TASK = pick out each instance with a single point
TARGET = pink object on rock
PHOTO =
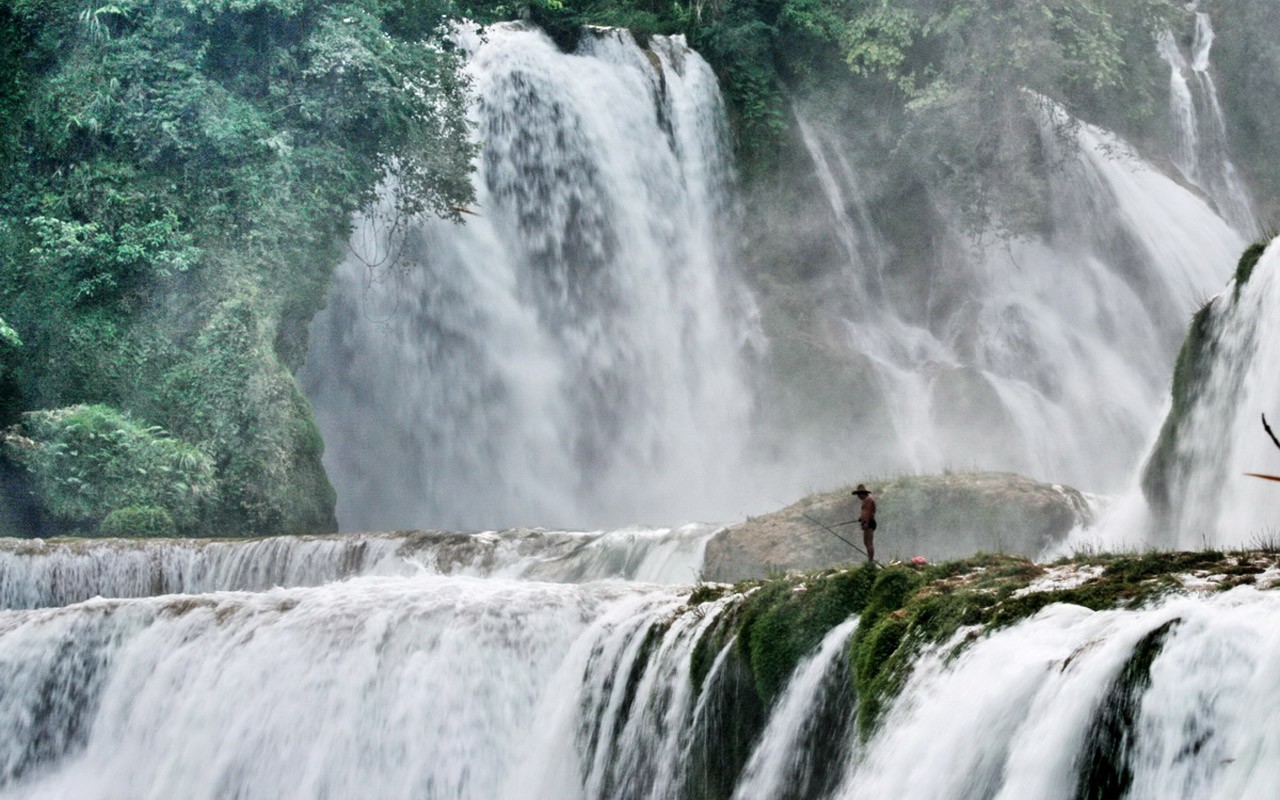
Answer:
(919, 560)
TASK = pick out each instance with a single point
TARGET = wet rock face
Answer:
(935, 516)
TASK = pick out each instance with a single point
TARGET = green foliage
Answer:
(89, 461)
(10, 401)
(741, 47)
(229, 391)
(100, 264)
(877, 41)
(169, 162)
(137, 521)
(8, 336)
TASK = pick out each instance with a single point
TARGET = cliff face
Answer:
(934, 516)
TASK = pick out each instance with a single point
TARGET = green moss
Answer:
(1249, 260)
(778, 623)
(905, 611)
(725, 732)
(705, 651)
(910, 612)
(880, 662)
(706, 592)
(1194, 360)
(782, 622)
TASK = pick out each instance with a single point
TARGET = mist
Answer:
(628, 330)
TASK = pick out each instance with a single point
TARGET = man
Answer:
(868, 520)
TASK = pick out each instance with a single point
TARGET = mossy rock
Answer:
(1161, 483)
(1189, 375)
(1244, 269)
(906, 610)
(785, 620)
(232, 393)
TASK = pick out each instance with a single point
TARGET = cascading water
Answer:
(1200, 129)
(1064, 706)
(38, 574)
(1048, 355)
(783, 763)
(1220, 436)
(440, 687)
(573, 354)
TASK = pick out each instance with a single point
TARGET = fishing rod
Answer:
(833, 533)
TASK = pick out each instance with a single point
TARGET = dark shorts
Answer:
(869, 526)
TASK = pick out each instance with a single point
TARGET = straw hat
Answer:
(861, 490)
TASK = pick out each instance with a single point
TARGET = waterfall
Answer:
(573, 354)
(1064, 706)
(784, 759)
(1201, 153)
(450, 687)
(1049, 355)
(369, 688)
(1221, 435)
(582, 353)
(37, 574)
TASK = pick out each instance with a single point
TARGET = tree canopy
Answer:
(178, 177)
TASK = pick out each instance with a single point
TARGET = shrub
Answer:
(87, 461)
(138, 521)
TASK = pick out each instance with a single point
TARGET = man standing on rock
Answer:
(868, 520)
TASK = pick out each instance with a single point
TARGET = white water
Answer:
(371, 688)
(580, 352)
(456, 687)
(1223, 437)
(782, 759)
(1011, 716)
(572, 355)
(1200, 130)
(1047, 356)
(37, 574)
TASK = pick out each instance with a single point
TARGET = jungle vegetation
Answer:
(177, 178)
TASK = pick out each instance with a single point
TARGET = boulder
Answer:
(935, 516)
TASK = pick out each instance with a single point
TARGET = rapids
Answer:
(452, 687)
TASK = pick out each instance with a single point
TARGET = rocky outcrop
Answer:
(935, 516)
